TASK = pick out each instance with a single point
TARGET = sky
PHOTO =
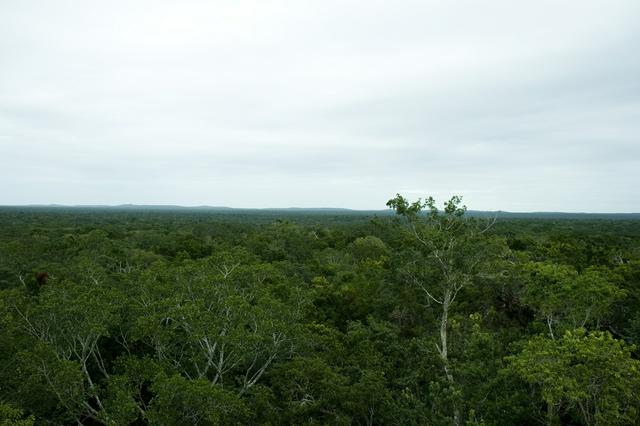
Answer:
(515, 105)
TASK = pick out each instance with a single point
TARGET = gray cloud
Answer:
(517, 106)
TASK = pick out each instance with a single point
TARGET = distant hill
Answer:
(552, 215)
(318, 211)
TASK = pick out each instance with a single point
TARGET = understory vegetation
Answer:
(429, 316)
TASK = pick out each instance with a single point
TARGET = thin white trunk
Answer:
(443, 348)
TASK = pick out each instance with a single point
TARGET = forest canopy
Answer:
(427, 316)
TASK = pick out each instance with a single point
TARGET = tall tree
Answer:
(452, 250)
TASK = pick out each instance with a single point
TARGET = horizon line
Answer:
(204, 206)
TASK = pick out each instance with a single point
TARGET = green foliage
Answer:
(10, 416)
(566, 299)
(589, 374)
(200, 317)
(178, 400)
(370, 249)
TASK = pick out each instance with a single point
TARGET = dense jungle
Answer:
(424, 314)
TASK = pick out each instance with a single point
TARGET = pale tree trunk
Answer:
(443, 348)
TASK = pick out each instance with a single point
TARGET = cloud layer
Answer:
(515, 105)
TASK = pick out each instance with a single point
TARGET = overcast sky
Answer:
(516, 105)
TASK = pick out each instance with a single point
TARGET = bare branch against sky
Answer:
(516, 105)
